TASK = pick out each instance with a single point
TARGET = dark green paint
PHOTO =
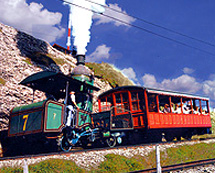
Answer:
(33, 122)
(54, 113)
(28, 107)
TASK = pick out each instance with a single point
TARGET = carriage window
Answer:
(204, 104)
(135, 101)
(106, 103)
(196, 106)
(152, 102)
(122, 103)
(176, 105)
(164, 106)
(186, 106)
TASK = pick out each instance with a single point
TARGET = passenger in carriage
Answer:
(172, 107)
(152, 107)
(161, 109)
(196, 110)
(204, 112)
(166, 108)
(177, 109)
(185, 108)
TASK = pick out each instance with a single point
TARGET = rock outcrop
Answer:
(20, 56)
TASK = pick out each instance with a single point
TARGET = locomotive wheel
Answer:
(84, 143)
(64, 145)
(111, 141)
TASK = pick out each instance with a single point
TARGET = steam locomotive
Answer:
(128, 114)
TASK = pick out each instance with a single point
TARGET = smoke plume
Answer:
(80, 21)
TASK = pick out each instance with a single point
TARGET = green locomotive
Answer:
(43, 123)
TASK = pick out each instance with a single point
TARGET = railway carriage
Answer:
(137, 114)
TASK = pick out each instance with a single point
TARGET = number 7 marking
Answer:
(25, 117)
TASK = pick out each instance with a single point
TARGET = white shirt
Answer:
(72, 96)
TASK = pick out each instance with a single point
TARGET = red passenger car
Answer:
(138, 113)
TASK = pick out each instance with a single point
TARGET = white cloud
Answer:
(150, 81)
(102, 19)
(209, 88)
(184, 83)
(31, 18)
(187, 70)
(130, 73)
(101, 52)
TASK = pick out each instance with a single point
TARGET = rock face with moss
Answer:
(22, 55)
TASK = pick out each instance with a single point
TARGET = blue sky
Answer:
(145, 58)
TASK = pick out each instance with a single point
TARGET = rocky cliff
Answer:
(22, 55)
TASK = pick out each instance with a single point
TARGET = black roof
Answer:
(54, 83)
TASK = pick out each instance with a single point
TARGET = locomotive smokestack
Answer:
(80, 59)
(81, 72)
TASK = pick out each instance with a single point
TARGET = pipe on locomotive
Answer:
(69, 39)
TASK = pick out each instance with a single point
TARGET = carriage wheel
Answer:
(111, 141)
(64, 145)
(188, 136)
(169, 138)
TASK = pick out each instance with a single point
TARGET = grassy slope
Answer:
(213, 121)
(108, 73)
(116, 163)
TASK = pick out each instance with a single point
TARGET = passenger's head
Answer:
(72, 92)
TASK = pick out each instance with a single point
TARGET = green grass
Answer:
(116, 163)
(188, 153)
(48, 166)
(121, 164)
(11, 170)
(44, 59)
(55, 166)
(28, 61)
(107, 72)
(2, 81)
(59, 61)
(213, 122)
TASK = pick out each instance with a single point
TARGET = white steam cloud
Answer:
(80, 20)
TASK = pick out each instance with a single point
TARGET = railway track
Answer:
(179, 167)
(79, 149)
(80, 152)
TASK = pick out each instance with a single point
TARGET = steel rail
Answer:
(181, 166)
(81, 150)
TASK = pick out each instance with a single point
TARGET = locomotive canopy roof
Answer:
(152, 90)
(54, 83)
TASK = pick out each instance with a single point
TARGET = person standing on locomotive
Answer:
(71, 110)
